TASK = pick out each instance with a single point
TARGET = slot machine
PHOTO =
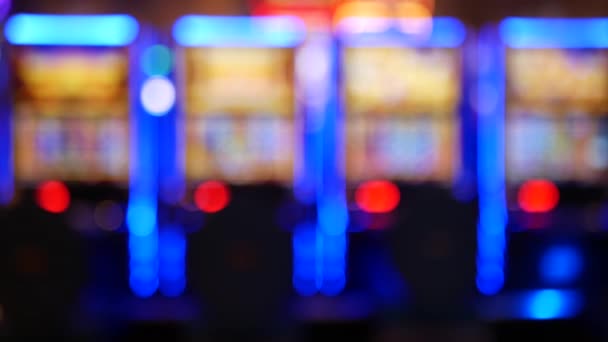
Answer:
(319, 257)
(542, 165)
(79, 170)
(239, 152)
(405, 131)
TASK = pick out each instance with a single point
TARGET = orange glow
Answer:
(212, 196)
(53, 196)
(377, 196)
(414, 18)
(367, 9)
(538, 196)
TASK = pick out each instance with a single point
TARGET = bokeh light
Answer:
(538, 196)
(212, 196)
(377, 196)
(561, 265)
(551, 304)
(108, 215)
(81, 217)
(53, 196)
(415, 18)
(158, 95)
(157, 60)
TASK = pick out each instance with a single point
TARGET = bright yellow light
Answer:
(72, 75)
(368, 9)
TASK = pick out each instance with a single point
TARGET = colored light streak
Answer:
(490, 165)
(172, 261)
(271, 31)
(356, 31)
(141, 217)
(539, 304)
(551, 304)
(305, 256)
(332, 210)
(555, 33)
(71, 30)
(7, 177)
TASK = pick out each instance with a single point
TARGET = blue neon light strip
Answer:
(80, 30)
(551, 304)
(142, 210)
(331, 201)
(304, 242)
(446, 32)
(554, 33)
(172, 261)
(279, 31)
(7, 180)
(490, 164)
(538, 304)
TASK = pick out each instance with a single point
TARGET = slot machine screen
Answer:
(402, 113)
(71, 114)
(557, 115)
(240, 119)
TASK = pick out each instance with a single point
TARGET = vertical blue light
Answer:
(172, 237)
(331, 201)
(171, 175)
(305, 259)
(320, 249)
(311, 57)
(6, 133)
(172, 261)
(464, 187)
(490, 163)
(142, 210)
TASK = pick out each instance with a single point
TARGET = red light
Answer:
(377, 196)
(538, 196)
(53, 196)
(211, 196)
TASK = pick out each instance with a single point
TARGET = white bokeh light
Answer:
(157, 95)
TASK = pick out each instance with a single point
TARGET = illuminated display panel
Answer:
(556, 119)
(240, 114)
(402, 113)
(71, 113)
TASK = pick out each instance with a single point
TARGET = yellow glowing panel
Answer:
(239, 81)
(565, 80)
(557, 122)
(240, 107)
(402, 118)
(71, 114)
(398, 81)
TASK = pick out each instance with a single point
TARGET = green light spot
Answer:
(157, 60)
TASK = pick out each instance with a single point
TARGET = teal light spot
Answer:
(157, 60)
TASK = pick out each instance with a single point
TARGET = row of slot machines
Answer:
(256, 166)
